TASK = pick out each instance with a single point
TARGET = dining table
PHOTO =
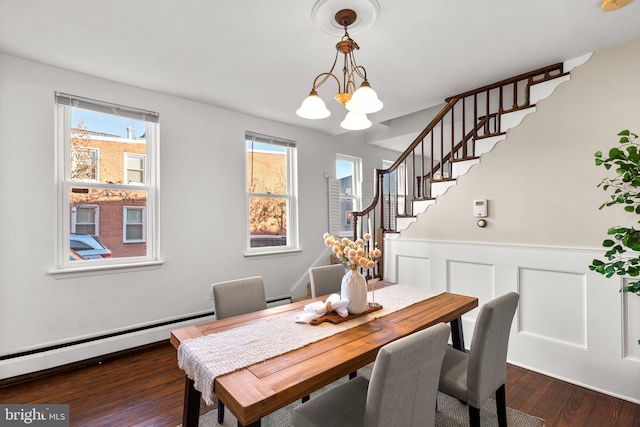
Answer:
(263, 386)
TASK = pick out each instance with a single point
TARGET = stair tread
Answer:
(491, 135)
(551, 78)
(518, 108)
(465, 159)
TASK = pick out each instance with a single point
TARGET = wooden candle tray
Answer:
(335, 318)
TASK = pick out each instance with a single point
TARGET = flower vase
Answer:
(354, 288)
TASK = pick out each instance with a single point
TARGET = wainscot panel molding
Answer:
(571, 323)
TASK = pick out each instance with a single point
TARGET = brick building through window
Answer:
(116, 216)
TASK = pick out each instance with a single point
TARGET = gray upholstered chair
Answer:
(237, 297)
(482, 373)
(402, 390)
(326, 279)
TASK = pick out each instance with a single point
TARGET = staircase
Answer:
(468, 127)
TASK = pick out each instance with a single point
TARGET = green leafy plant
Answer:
(625, 160)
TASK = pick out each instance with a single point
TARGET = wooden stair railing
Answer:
(450, 137)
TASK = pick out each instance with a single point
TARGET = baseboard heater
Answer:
(272, 302)
(105, 336)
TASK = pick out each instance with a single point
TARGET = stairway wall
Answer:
(544, 228)
(541, 180)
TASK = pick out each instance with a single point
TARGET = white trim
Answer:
(291, 195)
(63, 185)
(126, 168)
(356, 186)
(74, 353)
(125, 209)
(571, 322)
(96, 215)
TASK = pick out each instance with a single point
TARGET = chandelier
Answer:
(358, 102)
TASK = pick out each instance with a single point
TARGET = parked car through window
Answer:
(88, 247)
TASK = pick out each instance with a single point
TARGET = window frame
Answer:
(63, 104)
(96, 162)
(125, 209)
(96, 215)
(291, 196)
(400, 184)
(356, 185)
(126, 168)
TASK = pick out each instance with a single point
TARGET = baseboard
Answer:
(44, 360)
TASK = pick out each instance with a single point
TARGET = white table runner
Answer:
(205, 358)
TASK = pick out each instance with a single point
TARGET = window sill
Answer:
(67, 273)
(272, 252)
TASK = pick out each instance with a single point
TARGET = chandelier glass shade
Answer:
(358, 101)
(313, 107)
(355, 121)
(611, 5)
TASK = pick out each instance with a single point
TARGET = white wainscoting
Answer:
(571, 323)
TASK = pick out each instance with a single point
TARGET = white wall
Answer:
(544, 228)
(202, 239)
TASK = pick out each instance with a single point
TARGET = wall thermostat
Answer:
(480, 208)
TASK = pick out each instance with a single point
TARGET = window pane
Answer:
(134, 176)
(267, 221)
(134, 216)
(134, 232)
(112, 136)
(344, 173)
(346, 208)
(135, 168)
(110, 204)
(266, 168)
(86, 215)
(84, 163)
(135, 162)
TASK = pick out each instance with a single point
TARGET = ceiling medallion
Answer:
(324, 15)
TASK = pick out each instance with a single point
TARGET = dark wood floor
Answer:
(146, 389)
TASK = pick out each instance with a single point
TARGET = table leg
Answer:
(191, 410)
(456, 334)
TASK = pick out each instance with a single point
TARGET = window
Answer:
(106, 183)
(271, 194)
(348, 173)
(134, 168)
(84, 160)
(85, 219)
(395, 187)
(134, 224)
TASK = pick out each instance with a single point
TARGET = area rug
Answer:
(451, 412)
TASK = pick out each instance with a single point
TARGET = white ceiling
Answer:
(260, 57)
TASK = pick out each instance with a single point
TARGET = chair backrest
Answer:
(488, 353)
(239, 297)
(404, 381)
(326, 279)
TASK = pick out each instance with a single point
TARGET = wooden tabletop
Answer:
(258, 390)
